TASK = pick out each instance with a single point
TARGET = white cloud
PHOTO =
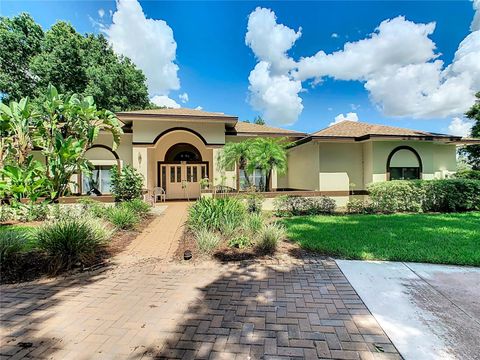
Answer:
(199, 108)
(351, 116)
(399, 67)
(276, 96)
(148, 42)
(163, 100)
(354, 106)
(334, 35)
(183, 97)
(101, 13)
(270, 41)
(460, 127)
(475, 25)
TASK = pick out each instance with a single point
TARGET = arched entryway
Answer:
(182, 162)
(404, 163)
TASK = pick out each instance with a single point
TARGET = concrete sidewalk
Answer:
(428, 311)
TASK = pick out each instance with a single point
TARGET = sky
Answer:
(299, 65)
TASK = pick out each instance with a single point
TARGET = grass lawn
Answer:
(432, 238)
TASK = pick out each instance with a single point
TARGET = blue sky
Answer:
(214, 62)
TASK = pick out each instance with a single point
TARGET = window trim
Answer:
(404, 147)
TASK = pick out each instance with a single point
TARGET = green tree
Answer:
(472, 152)
(268, 154)
(237, 154)
(31, 59)
(20, 41)
(259, 120)
(66, 129)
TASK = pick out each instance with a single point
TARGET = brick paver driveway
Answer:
(150, 308)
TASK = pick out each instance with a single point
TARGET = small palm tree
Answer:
(268, 154)
(237, 154)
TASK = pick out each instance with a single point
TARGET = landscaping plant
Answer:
(254, 202)
(138, 206)
(269, 236)
(292, 205)
(253, 224)
(213, 213)
(240, 242)
(207, 240)
(126, 183)
(12, 242)
(122, 217)
(74, 240)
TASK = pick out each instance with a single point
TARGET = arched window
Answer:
(404, 163)
(183, 152)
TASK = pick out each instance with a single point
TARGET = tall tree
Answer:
(30, 60)
(20, 41)
(472, 152)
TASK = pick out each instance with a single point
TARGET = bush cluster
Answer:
(468, 174)
(226, 220)
(126, 184)
(292, 205)
(450, 195)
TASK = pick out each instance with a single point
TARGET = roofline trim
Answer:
(131, 116)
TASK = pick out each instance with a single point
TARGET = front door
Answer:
(182, 180)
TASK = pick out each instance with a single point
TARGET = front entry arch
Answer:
(181, 172)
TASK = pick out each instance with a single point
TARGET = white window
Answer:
(98, 181)
(258, 178)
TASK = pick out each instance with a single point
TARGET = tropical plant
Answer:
(269, 236)
(126, 184)
(207, 240)
(122, 217)
(268, 154)
(214, 213)
(237, 154)
(73, 240)
(138, 206)
(472, 152)
(67, 128)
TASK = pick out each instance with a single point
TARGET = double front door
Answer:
(182, 180)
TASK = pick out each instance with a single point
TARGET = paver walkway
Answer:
(271, 309)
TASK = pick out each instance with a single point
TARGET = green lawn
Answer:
(433, 238)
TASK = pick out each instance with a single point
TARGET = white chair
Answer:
(159, 192)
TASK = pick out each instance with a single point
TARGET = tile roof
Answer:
(250, 128)
(176, 112)
(358, 129)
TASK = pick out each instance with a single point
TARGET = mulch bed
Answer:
(227, 254)
(36, 264)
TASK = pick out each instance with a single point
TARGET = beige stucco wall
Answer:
(124, 150)
(145, 131)
(341, 166)
(437, 159)
(303, 167)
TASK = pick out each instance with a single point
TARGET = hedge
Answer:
(450, 195)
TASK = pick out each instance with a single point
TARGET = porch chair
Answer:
(159, 192)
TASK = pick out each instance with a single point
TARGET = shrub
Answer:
(397, 196)
(126, 184)
(73, 240)
(269, 236)
(95, 208)
(207, 240)
(12, 242)
(292, 205)
(253, 224)
(254, 203)
(7, 213)
(239, 242)
(138, 206)
(468, 174)
(216, 214)
(448, 195)
(122, 217)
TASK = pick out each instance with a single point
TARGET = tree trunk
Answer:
(267, 180)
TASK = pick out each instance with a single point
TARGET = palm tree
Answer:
(268, 154)
(237, 154)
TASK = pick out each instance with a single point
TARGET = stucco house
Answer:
(176, 148)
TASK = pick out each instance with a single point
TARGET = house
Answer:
(176, 148)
